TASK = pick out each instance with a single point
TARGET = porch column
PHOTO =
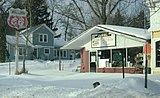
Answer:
(126, 58)
(110, 57)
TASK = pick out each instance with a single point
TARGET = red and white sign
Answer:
(17, 18)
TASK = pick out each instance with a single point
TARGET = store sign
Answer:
(17, 18)
(103, 40)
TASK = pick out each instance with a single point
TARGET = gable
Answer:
(126, 32)
(35, 31)
(35, 28)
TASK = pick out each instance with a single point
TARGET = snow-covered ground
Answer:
(45, 81)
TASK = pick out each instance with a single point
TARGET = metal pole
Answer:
(16, 48)
(146, 65)
(59, 60)
(146, 54)
(123, 63)
(9, 67)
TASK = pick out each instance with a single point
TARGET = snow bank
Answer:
(45, 81)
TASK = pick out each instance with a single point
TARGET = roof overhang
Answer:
(80, 40)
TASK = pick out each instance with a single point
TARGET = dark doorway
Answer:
(92, 61)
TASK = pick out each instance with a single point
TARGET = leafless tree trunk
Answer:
(87, 13)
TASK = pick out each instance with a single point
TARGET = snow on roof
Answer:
(83, 38)
(137, 32)
(32, 29)
(58, 42)
(12, 40)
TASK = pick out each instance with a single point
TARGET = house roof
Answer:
(12, 40)
(84, 37)
(34, 28)
(59, 42)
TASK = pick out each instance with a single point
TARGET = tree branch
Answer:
(92, 8)
(110, 12)
(69, 17)
(80, 13)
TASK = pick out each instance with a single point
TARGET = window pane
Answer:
(20, 51)
(46, 51)
(55, 53)
(45, 38)
(40, 38)
(64, 53)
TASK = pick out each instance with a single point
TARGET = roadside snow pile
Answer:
(127, 88)
(131, 87)
(44, 80)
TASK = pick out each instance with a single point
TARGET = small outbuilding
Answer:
(106, 48)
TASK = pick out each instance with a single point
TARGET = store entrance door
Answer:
(92, 61)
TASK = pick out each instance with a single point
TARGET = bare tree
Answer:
(4, 7)
(83, 14)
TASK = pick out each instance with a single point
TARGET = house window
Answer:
(55, 53)
(43, 38)
(46, 51)
(21, 51)
(58, 52)
(64, 53)
(158, 54)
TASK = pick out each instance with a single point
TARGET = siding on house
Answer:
(43, 31)
(11, 47)
(42, 44)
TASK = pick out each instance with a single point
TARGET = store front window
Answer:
(129, 57)
(135, 57)
(104, 54)
(118, 57)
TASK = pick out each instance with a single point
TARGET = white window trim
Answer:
(43, 38)
(47, 53)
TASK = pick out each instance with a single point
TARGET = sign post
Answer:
(17, 19)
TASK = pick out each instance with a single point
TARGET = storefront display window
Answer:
(104, 54)
(118, 57)
(135, 56)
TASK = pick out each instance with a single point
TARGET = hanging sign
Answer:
(17, 18)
